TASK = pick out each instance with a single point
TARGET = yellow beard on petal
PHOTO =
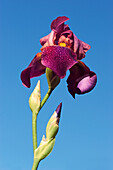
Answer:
(62, 44)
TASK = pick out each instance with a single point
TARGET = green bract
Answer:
(44, 149)
(52, 78)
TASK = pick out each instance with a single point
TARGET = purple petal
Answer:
(80, 47)
(34, 69)
(66, 27)
(57, 27)
(48, 40)
(87, 83)
(58, 23)
(81, 80)
(43, 40)
(76, 43)
(59, 59)
(58, 110)
(67, 38)
(67, 32)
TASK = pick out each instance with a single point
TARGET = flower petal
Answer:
(34, 69)
(59, 59)
(48, 40)
(58, 110)
(58, 23)
(80, 47)
(81, 80)
(57, 27)
(67, 38)
(43, 40)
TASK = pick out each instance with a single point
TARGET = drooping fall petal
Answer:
(34, 69)
(59, 59)
(81, 80)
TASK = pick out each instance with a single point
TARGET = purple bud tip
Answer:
(58, 110)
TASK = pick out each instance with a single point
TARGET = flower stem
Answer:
(34, 130)
(45, 98)
(35, 165)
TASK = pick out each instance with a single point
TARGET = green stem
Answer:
(34, 119)
(35, 164)
(34, 130)
(46, 97)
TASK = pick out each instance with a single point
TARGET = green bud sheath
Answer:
(44, 149)
(52, 78)
(53, 117)
(52, 131)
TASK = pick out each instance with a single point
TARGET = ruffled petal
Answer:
(66, 27)
(59, 59)
(48, 40)
(81, 80)
(57, 27)
(80, 47)
(76, 43)
(34, 69)
(43, 40)
(67, 33)
(58, 24)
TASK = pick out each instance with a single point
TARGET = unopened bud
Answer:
(53, 124)
(52, 78)
(35, 98)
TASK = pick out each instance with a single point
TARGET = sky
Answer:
(85, 137)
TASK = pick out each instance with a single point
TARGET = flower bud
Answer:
(53, 124)
(47, 144)
(35, 98)
(52, 78)
(44, 149)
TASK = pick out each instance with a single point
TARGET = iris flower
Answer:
(61, 51)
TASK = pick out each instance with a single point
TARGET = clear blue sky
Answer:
(85, 138)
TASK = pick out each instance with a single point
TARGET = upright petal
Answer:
(43, 40)
(81, 80)
(34, 69)
(80, 47)
(58, 24)
(59, 59)
(76, 43)
(48, 40)
(57, 27)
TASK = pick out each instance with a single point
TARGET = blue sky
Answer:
(85, 138)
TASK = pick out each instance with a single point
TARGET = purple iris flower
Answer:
(62, 51)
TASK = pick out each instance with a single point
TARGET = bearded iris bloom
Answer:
(61, 51)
